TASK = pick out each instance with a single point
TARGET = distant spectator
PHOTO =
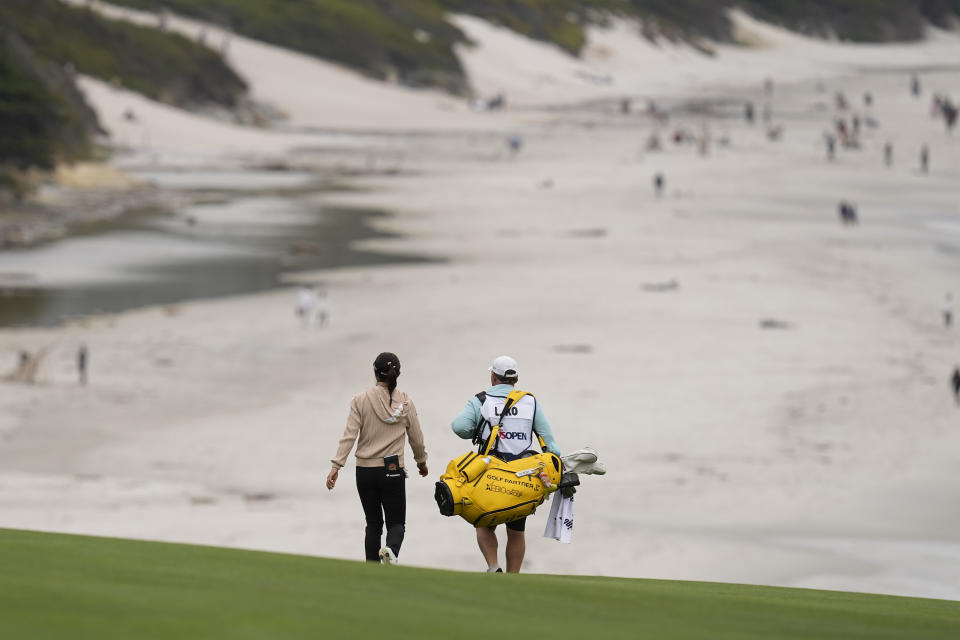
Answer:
(831, 142)
(23, 365)
(842, 132)
(950, 112)
(515, 144)
(848, 214)
(83, 359)
(306, 305)
(888, 154)
(955, 381)
(924, 159)
(948, 310)
(323, 309)
(915, 85)
(498, 101)
(658, 184)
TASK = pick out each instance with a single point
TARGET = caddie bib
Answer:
(516, 431)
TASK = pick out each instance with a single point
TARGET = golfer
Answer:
(380, 421)
(516, 438)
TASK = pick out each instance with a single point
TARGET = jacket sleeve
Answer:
(467, 420)
(415, 435)
(350, 434)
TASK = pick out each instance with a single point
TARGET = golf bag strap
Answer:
(512, 398)
(478, 430)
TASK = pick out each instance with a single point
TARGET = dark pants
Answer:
(382, 497)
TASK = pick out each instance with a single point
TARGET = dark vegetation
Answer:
(44, 43)
(162, 66)
(35, 120)
(410, 40)
(858, 20)
(558, 21)
(43, 117)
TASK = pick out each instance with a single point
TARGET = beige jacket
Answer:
(380, 428)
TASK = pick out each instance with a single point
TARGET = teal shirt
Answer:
(467, 420)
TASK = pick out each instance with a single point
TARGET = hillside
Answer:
(43, 118)
(56, 586)
(858, 20)
(413, 42)
(162, 66)
(44, 43)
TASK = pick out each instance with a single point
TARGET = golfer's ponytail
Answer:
(387, 368)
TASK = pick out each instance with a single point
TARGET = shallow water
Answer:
(202, 251)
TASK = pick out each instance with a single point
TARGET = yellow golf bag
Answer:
(486, 491)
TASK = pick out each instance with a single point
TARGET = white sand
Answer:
(617, 62)
(735, 453)
(316, 94)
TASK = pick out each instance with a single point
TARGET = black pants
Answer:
(382, 498)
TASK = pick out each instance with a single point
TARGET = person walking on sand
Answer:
(658, 183)
(888, 154)
(831, 146)
(82, 360)
(322, 311)
(525, 419)
(514, 144)
(948, 310)
(380, 421)
(306, 305)
(924, 158)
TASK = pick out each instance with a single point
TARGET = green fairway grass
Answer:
(63, 586)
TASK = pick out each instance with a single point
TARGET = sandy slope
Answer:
(312, 93)
(821, 454)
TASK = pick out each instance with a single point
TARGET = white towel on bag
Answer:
(560, 521)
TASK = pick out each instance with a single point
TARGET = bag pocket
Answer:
(474, 468)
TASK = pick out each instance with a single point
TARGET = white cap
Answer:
(504, 367)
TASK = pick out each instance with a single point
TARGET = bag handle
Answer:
(512, 398)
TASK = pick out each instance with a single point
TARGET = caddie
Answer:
(524, 421)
